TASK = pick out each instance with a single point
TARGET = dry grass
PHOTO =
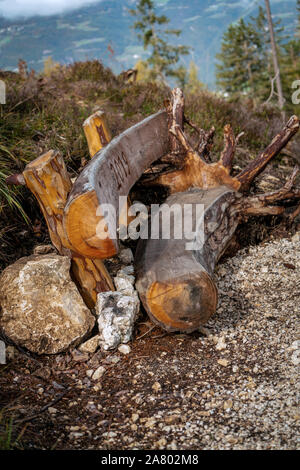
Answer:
(44, 112)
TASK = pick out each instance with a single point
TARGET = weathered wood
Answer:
(175, 284)
(111, 174)
(48, 180)
(247, 176)
(97, 132)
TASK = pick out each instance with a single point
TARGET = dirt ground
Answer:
(231, 386)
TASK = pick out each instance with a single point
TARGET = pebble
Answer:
(135, 417)
(221, 344)
(223, 362)
(124, 349)
(52, 410)
(90, 346)
(156, 386)
(98, 373)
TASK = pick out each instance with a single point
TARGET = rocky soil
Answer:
(231, 386)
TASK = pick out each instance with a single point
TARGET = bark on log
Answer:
(111, 174)
(175, 284)
(48, 180)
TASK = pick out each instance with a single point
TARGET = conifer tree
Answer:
(245, 64)
(164, 58)
(290, 60)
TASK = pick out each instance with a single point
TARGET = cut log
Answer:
(48, 180)
(107, 177)
(175, 284)
(97, 132)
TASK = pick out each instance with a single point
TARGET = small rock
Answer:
(227, 405)
(89, 373)
(232, 440)
(124, 349)
(126, 256)
(79, 357)
(42, 373)
(10, 352)
(113, 359)
(75, 435)
(296, 357)
(156, 387)
(116, 317)
(43, 249)
(135, 417)
(296, 238)
(90, 346)
(162, 442)
(52, 410)
(223, 362)
(221, 344)
(98, 373)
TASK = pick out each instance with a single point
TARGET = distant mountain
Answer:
(103, 31)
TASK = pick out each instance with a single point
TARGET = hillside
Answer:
(102, 31)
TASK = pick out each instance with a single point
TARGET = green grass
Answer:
(10, 439)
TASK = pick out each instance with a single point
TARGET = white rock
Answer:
(221, 344)
(98, 373)
(296, 357)
(42, 309)
(125, 284)
(126, 256)
(124, 349)
(116, 316)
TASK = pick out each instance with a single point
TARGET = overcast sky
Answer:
(16, 8)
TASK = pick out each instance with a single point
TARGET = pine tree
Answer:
(290, 59)
(245, 59)
(164, 57)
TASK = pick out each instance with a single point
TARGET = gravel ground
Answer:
(233, 386)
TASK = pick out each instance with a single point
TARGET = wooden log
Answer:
(175, 284)
(48, 180)
(107, 177)
(97, 132)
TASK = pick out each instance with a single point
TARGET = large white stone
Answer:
(42, 309)
(117, 312)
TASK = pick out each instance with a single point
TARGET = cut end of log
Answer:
(83, 225)
(182, 304)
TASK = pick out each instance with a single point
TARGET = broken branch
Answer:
(254, 168)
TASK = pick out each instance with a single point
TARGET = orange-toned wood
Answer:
(97, 132)
(48, 180)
